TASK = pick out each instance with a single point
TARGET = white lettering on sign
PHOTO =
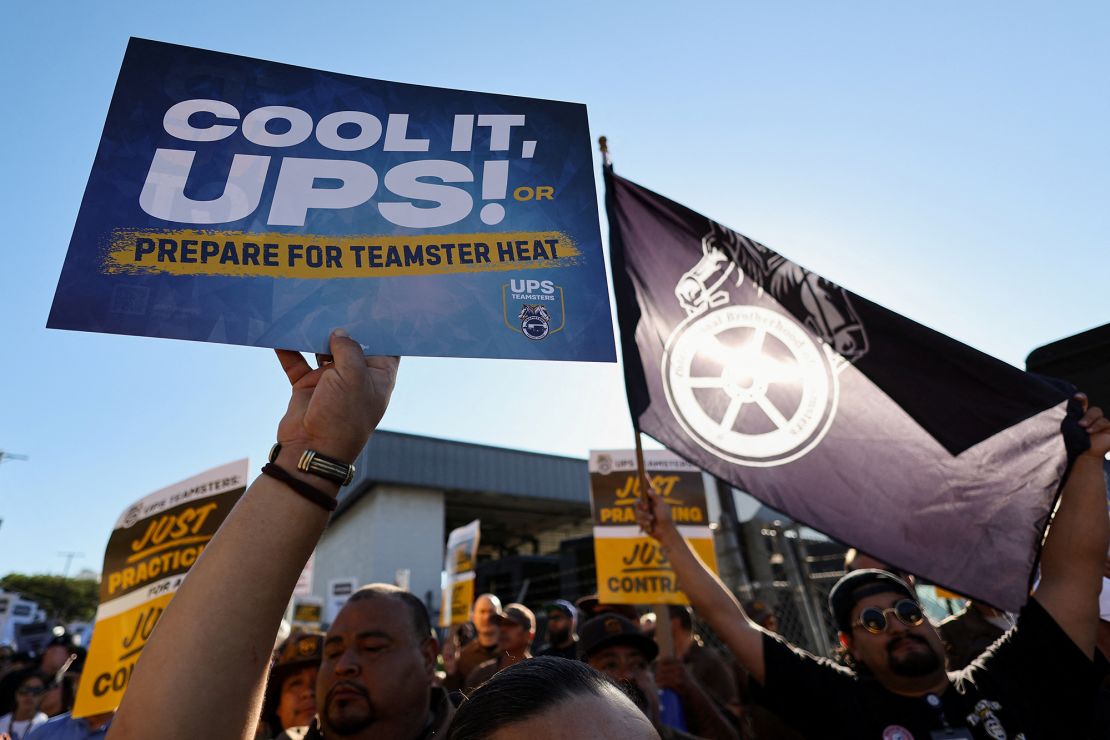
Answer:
(428, 188)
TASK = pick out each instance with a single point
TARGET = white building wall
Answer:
(389, 528)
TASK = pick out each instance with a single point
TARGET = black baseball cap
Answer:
(860, 584)
(561, 605)
(607, 630)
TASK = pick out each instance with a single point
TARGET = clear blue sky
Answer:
(949, 160)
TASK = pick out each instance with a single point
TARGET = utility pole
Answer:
(733, 550)
(69, 556)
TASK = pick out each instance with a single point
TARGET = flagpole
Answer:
(662, 611)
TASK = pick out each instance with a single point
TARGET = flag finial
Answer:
(603, 145)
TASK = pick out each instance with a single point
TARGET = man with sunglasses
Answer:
(1038, 681)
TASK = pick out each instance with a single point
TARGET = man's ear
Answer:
(848, 644)
(429, 651)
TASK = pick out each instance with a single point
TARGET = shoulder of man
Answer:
(833, 692)
(481, 674)
(56, 727)
(308, 732)
(443, 713)
(1040, 672)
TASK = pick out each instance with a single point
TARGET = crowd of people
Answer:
(210, 670)
(712, 696)
(37, 686)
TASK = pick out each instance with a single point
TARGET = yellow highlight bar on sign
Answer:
(241, 254)
(633, 570)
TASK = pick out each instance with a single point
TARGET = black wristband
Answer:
(315, 495)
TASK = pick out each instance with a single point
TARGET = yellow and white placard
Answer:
(459, 561)
(631, 569)
(150, 550)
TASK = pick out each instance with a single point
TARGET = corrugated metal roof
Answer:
(409, 459)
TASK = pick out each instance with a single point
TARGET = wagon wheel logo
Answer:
(750, 385)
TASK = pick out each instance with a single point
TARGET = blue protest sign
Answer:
(247, 202)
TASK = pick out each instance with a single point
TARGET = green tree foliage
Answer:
(65, 599)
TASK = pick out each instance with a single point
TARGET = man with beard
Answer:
(562, 642)
(616, 647)
(202, 672)
(516, 629)
(376, 674)
(1038, 682)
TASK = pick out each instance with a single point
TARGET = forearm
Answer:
(715, 603)
(202, 672)
(1075, 551)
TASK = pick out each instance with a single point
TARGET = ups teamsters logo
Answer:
(750, 384)
(538, 308)
(535, 321)
(132, 516)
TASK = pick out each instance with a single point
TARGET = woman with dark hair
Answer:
(549, 697)
(61, 691)
(26, 715)
(290, 699)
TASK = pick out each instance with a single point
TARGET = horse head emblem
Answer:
(822, 306)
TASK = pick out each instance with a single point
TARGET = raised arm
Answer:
(202, 672)
(1074, 552)
(713, 602)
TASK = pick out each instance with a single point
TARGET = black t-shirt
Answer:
(1033, 684)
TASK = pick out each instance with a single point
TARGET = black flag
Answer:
(885, 434)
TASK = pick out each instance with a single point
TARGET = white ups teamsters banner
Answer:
(631, 568)
(150, 551)
(460, 561)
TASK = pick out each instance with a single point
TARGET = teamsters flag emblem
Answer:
(883, 433)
